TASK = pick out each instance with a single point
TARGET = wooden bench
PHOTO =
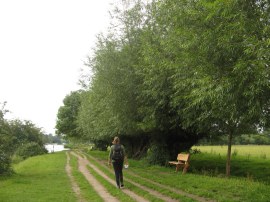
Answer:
(182, 161)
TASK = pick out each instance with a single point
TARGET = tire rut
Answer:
(74, 185)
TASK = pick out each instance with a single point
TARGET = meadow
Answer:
(248, 161)
(257, 151)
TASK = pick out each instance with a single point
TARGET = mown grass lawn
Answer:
(38, 179)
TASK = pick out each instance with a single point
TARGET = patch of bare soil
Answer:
(74, 185)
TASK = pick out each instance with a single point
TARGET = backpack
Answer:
(117, 154)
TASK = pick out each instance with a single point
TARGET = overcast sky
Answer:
(43, 45)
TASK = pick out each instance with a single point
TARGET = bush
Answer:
(157, 155)
(5, 163)
(30, 149)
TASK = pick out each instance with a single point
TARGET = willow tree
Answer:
(110, 105)
(227, 56)
(66, 123)
(162, 56)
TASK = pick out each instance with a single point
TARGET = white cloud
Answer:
(43, 46)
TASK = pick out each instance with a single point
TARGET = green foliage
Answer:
(19, 135)
(25, 131)
(5, 143)
(52, 139)
(176, 71)
(66, 123)
(5, 163)
(158, 155)
(30, 149)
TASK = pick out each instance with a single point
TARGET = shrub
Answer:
(157, 155)
(5, 163)
(30, 149)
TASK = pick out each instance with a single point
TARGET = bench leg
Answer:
(185, 168)
(177, 168)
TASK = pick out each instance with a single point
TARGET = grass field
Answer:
(258, 151)
(251, 162)
(43, 178)
(38, 179)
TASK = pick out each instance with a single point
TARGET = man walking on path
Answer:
(116, 157)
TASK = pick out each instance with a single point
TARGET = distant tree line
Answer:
(18, 141)
(171, 72)
(52, 139)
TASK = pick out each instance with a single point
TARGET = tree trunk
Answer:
(228, 163)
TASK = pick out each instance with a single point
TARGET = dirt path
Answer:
(151, 191)
(128, 192)
(74, 185)
(99, 188)
(178, 191)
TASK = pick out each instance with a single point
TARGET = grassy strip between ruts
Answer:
(128, 185)
(221, 189)
(38, 179)
(150, 185)
(86, 189)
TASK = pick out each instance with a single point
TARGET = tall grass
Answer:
(41, 178)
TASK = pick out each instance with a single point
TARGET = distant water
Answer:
(55, 147)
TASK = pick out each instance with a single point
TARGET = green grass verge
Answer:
(159, 189)
(87, 190)
(218, 188)
(38, 179)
